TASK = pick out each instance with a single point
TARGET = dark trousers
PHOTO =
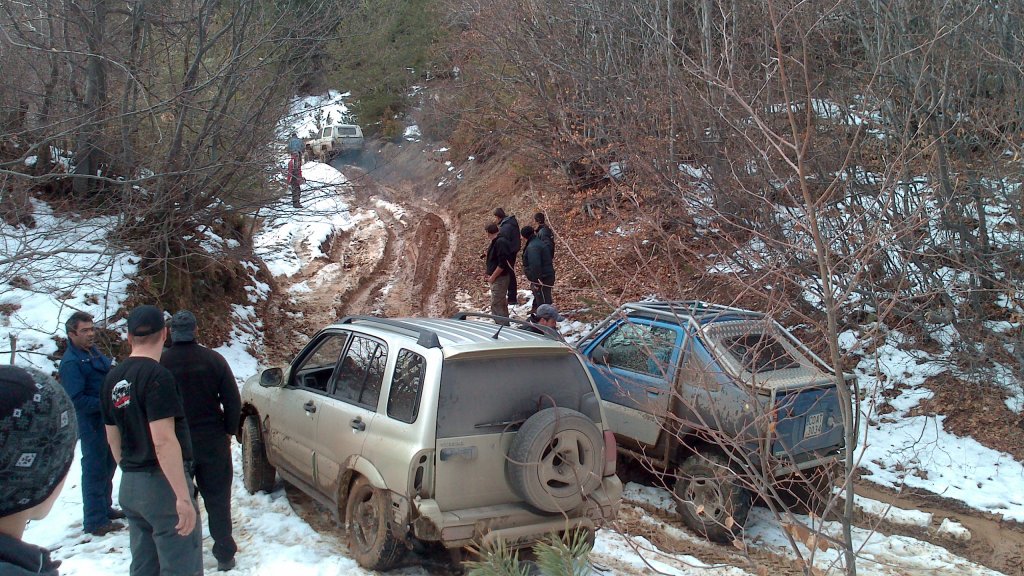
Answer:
(542, 292)
(157, 550)
(213, 474)
(513, 288)
(97, 472)
(296, 192)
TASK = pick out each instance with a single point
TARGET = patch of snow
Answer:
(81, 271)
(412, 133)
(291, 237)
(954, 530)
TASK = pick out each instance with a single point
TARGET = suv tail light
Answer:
(610, 453)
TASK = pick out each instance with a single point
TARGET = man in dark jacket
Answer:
(499, 270)
(508, 228)
(538, 268)
(82, 371)
(544, 232)
(212, 407)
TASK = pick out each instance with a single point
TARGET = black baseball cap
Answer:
(145, 320)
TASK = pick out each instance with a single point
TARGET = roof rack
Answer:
(424, 337)
(543, 330)
(697, 309)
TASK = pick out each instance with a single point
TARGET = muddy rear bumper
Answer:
(516, 524)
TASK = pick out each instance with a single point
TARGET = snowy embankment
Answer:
(61, 265)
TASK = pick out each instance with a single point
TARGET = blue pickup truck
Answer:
(723, 402)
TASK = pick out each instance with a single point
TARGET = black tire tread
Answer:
(258, 474)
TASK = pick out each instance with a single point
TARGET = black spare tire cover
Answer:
(556, 460)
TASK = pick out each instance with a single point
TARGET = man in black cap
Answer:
(37, 445)
(213, 408)
(148, 436)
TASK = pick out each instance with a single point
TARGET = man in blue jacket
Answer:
(82, 371)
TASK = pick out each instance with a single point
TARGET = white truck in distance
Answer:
(335, 139)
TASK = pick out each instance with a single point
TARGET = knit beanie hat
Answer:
(38, 431)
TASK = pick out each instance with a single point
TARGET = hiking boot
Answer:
(225, 565)
(105, 529)
(115, 514)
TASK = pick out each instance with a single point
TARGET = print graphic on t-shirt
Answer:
(121, 394)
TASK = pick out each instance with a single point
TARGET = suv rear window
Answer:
(758, 353)
(406, 386)
(486, 395)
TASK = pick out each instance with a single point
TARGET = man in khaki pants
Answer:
(499, 270)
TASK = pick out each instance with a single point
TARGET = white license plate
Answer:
(814, 424)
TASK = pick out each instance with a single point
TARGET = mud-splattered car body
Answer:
(680, 381)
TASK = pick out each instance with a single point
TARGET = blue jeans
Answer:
(157, 550)
(97, 472)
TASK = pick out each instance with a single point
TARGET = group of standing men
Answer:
(165, 415)
(506, 240)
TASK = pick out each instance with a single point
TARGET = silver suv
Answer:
(450, 431)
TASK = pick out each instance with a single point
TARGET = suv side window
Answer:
(406, 386)
(361, 373)
(315, 371)
(640, 348)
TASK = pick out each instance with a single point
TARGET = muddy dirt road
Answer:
(395, 261)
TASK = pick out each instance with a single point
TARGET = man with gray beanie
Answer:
(148, 436)
(213, 408)
(37, 444)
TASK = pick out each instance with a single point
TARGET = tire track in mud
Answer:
(637, 518)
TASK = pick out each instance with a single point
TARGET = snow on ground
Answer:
(878, 554)
(291, 237)
(61, 265)
(898, 449)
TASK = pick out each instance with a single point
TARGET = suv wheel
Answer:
(708, 498)
(366, 523)
(257, 472)
(556, 459)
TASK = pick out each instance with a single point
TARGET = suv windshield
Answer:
(486, 395)
(758, 353)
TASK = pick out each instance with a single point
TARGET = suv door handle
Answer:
(358, 424)
(309, 406)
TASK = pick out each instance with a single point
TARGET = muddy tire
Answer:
(370, 540)
(709, 499)
(556, 460)
(257, 473)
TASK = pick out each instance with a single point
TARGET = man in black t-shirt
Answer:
(148, 436)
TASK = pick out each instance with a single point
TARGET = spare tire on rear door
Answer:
(556, 459)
